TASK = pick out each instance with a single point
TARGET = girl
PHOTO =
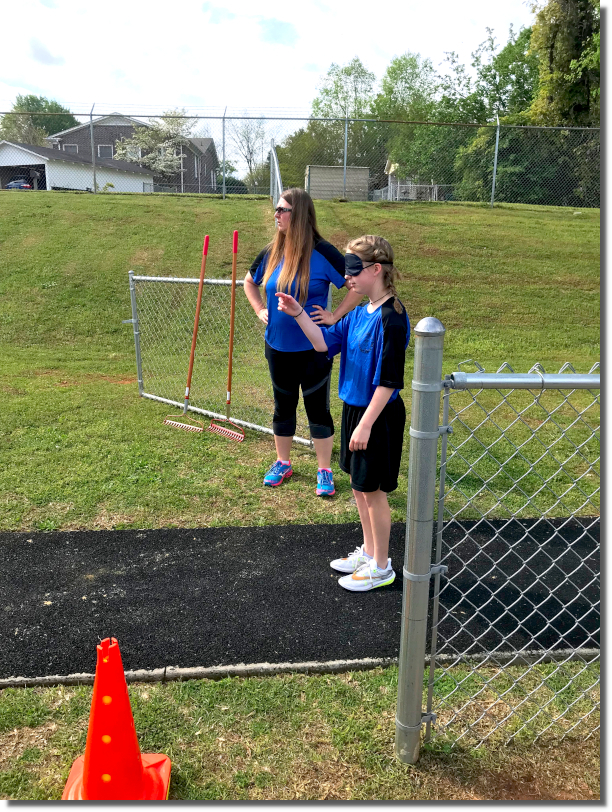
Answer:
(372, 340)
(300, 261)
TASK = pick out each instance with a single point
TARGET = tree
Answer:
(506, 80)
(34, 127)
(566, 40)
(159, 145)
(248, 137)
(345, 92)
(408, 89)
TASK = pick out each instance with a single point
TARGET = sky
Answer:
(246, 55)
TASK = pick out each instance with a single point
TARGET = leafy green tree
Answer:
(159, 145)
(345, 92)
(566, 39)
(34, 127)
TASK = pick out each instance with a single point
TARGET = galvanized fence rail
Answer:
(509, 594)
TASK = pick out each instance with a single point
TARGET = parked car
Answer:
(19, 183)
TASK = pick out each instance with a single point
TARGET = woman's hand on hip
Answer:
(262, 315)
(322, 316)
(288, 305)
(359, 438)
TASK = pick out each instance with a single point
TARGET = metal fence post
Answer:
(93, 151)
(424, 435)
(134, 322)
(345, 152)
(495, 163)
(224, 112)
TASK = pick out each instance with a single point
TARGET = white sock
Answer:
(285, 462)
(385, 568)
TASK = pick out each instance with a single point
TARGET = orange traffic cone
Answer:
(113, 768)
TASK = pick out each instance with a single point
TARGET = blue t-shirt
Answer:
(326, 267)
(373, 351)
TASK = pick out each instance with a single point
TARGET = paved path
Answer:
(223, 596)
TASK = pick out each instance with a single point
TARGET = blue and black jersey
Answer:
(326, 267)
(373, 351)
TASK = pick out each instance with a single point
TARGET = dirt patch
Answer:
(339, 239)
(146, 257)
(15, 742)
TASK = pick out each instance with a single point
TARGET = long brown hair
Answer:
(295, 246)
(371, 248)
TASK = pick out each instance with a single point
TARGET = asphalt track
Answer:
(195, 598)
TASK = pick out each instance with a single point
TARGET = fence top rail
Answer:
(182, 280)
(517, 380)
(311, 118)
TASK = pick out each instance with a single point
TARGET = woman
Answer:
(300, 262)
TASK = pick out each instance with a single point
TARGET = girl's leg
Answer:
(285, 384)
(283, 447)
(366, 525)
(315, 392)
(323, 447)
(379, 514)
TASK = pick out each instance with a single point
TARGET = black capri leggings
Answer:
(312, 371)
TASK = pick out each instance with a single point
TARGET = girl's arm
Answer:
(253, 294)
(322, 316)
(312, 332)
(361, 435)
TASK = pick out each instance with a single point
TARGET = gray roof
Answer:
(98, 120)
(71, 158)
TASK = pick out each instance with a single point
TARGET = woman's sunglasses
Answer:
(280, 209)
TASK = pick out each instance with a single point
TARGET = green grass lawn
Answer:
(312, 737)
(81, 449)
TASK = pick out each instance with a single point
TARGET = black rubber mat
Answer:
(223, 596)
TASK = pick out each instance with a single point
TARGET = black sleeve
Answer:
(257, 262)
(395, 332)
(331, 254)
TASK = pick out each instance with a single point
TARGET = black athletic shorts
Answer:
(378, 465)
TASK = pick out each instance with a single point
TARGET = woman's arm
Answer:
(312, 332)
(361, 435)
(253, 294)
(322, 316)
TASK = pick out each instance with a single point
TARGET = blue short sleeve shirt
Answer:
(326, 268)
(373, 351)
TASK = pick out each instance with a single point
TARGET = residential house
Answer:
(199, 161)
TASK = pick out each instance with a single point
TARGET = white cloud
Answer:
(41, 53)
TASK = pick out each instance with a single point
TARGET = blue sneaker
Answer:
(325, 483)
(277, 473)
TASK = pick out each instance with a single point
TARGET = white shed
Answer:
(327, 182)
(51, 169)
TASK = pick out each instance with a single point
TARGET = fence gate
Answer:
(163, 310)
(513, 583)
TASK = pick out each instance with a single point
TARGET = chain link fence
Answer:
(352, 159)
(163, 310)
(518, 530)
(509, 599)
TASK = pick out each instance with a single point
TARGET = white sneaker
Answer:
(368, 576)
(351, 562)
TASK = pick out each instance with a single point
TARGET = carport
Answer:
(35, 173)
(55, 169)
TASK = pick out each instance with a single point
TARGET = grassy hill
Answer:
(513, 283)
